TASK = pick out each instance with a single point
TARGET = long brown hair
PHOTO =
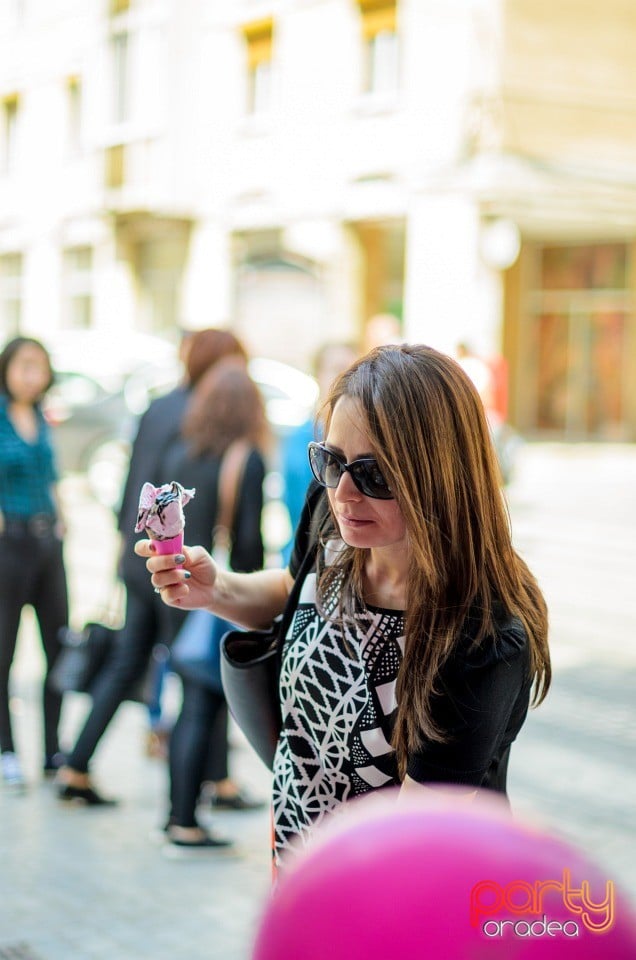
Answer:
(432, 442)
(226, 405)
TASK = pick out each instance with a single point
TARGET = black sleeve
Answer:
(247, 540)
(130, 494)
(481, 706)
(151, 442)
(157, 430)
(314, 510)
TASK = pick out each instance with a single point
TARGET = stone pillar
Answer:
(450, 295)
(207, 281)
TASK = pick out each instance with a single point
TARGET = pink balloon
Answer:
(453, 882)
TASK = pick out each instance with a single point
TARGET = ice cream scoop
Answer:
(161, 516)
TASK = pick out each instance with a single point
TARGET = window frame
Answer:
(380, 47)
(11, 293)
(77, 286)
(258, 40)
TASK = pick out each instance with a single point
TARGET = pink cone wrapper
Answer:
(171, 545)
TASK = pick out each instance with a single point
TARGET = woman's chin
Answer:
(359, 536)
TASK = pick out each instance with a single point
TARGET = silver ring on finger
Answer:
(157, 589)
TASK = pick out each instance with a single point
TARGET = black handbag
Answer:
(85, 652)
(250, 667)
(250, 671)
(84, 655)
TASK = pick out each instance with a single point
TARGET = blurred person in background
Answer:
(226, 407)
(159, 732)
(380, 329)
(31, 536)
(329, 361)
(491, 381)
(145, 622)
(479, 371)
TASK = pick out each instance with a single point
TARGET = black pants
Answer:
(192, 748)
(217, 765)
(31, 572)
(148, 621)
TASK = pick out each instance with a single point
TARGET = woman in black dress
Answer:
(225, 415)
(421, 635)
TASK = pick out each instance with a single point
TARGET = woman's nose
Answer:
(346, 489)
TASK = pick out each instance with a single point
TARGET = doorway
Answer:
(574, 344)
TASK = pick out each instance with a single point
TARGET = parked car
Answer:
(103, 386)
(290, 395)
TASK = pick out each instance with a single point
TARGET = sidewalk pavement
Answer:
(90, 884)
(94, 884)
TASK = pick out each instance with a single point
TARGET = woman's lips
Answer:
(353, 522)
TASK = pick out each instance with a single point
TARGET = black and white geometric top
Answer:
(338, 703)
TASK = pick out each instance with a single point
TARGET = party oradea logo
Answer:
(545, 908)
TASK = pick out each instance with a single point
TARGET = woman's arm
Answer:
(252, 600)
(412, 790)
(482, 702)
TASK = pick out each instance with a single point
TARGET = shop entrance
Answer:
(574, 361)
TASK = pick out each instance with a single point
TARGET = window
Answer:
(74, 114)
(160, 269)
(380, 39)
(115, 166)
(10, 294)
(258, 40)
(10, 112)
(77, 288)
(575, 342)
(120, 74)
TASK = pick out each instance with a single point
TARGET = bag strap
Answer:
(230, 477)
(315, 502)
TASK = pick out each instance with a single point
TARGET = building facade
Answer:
(293, 168)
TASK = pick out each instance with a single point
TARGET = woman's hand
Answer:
(249, 599)
(190, 585)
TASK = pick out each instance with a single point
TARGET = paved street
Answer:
(78, 884)
(574, 519)
(91, 884)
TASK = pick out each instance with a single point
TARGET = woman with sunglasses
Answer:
(420, 637)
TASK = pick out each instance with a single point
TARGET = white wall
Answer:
(197, 156)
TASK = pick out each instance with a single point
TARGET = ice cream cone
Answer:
(171, 545)
(161, 513)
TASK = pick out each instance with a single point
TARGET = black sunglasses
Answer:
(327, 467)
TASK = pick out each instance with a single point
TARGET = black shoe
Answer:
(235, 801)
(175, 849)
(85, 795)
